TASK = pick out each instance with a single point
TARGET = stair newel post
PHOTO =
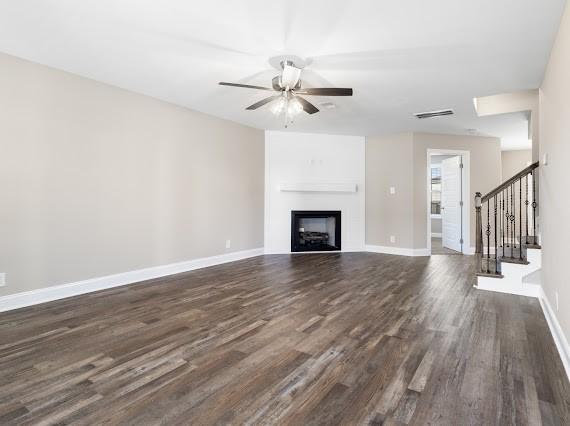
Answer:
(478, 231)
(520, 218)
(495, 232)
(526, 205)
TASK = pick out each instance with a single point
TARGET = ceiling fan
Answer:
(288, 86)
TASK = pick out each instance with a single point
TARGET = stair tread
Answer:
(489, 275)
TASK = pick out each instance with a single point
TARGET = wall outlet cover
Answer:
(228, 243)
(392, 239)
(392, 190)
(2, 279)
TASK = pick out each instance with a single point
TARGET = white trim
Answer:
(466, 188)
(556, 331)
(502, 285)
(48, 294)
(436, 235)
(317, 187)
(399, 251)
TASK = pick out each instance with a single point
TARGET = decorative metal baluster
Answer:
(507, 218)
(503, 219)
(520, 220)
(512, 218)
(496, 248)
(488, 233)
(533, 209)
(526, 206)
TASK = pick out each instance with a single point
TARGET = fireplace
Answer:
(315, 230)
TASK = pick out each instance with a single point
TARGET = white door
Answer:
(451, 203)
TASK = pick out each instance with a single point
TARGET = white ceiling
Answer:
(400, 56)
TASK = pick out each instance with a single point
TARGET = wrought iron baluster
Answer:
(533, 210)
(520, 220)
(496, 251)
(512, 218)
(507, 218)
(526, 206)
(503, 219)
(488, 233)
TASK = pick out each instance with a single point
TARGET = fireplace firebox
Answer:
(315, 230)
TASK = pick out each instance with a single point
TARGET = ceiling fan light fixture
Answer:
(294, 107)
(278, 107)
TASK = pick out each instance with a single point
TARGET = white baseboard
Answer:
(436, 235)
(48, 294)
(556, 331)
(399, 251)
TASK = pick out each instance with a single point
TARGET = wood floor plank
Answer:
(351, 338)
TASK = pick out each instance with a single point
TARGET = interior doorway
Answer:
(448, 209)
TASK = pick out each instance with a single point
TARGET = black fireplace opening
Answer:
(315, 230)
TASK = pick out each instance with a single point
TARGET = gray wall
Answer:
(401, 161)
(554, 178)
(95, 180)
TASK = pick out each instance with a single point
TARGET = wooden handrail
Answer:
(505, 184)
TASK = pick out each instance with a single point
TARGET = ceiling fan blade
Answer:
(275, 83)
(246, 86)
(325, 91)
(263, 102)
(308, 107)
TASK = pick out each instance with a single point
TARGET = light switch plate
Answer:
(545, 160)
(392, 190)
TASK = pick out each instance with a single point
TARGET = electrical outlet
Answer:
(556, 297)
(392, 190)
(2, 279)
(392, 239)
(228, 243)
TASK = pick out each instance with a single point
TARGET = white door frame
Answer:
(466, 195)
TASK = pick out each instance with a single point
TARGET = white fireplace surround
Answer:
(313, 172)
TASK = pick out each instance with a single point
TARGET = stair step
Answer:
(489, 275)
(533, 246)
(514, 260)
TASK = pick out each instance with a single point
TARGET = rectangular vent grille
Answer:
(432, 114)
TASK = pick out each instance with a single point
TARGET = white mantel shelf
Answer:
(318, 187)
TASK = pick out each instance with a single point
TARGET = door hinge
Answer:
(461, 203)
(460, 165)
(461, 241)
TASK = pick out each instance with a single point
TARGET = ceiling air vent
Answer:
(432, 114)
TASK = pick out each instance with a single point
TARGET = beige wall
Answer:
(402, 159)
(554, 178)
(388, 163)
(95, 180)
(513, 162)
(485, 158)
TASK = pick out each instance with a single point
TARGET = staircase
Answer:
(507, 252)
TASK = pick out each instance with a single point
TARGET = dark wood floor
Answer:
(307, 339)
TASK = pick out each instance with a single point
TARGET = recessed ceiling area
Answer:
(400, 57)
